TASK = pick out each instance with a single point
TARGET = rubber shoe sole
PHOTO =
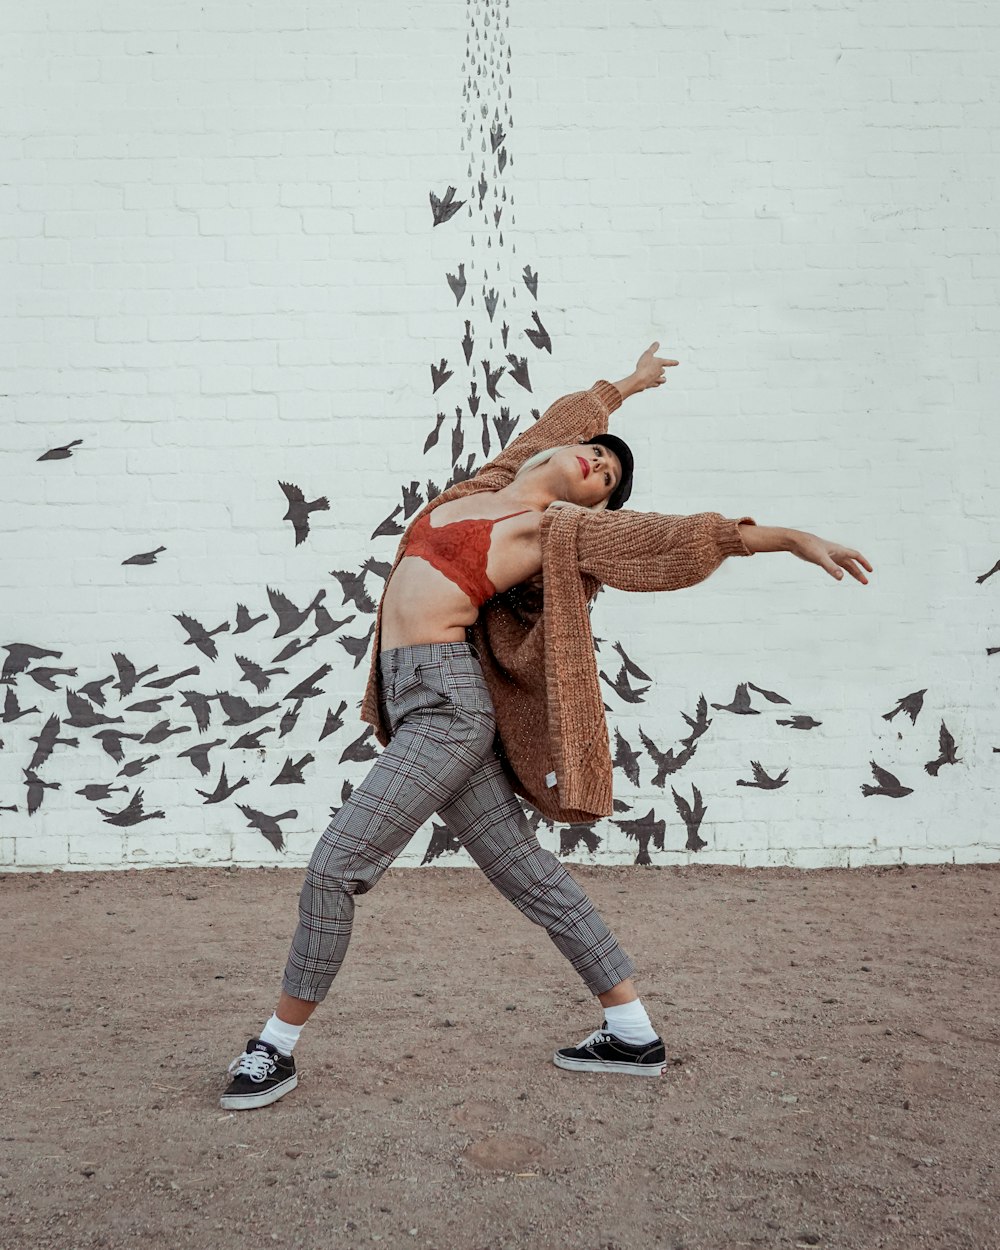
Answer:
(605, 1065)
(245, 1102)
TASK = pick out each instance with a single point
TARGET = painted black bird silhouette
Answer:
(911, 704)
(700, 724)
(388, 527)
(504, 426)
(299, 509)
(291, 617)
(504, 332)
(201, 707)
(762, 781)
(360, 749)
(36, 788)
(259, 678)
(800, 722)
(490, 299)
(493, 376)
(223, 789)
(497, 135)
(12, 709)
(45, 740)
(432, 437)
(145, 557)
(473, 398)
(381, 568)
(442, 842)
(132, 814)
(768, 694)
(111, 742)
(412, 499)
(94, 690)
(198, 636)
(134, 767)
(461, 473)
(128, 677)
(198, 754)
(644, 830)
(531, 280)
(251, 741)
(238, 711)
(519, 371)
(468, 343)
(334, 720)
(82, 714)
(244, 621)
(457, 436)
(95, 790)
(445, 208)
(458, 285)
(289, 719)
(666, 761)
(357, 646)
(440, 374)
(268, 825)
(486, 435)
(44, 676)
(162, 683)
(692, 815)
(540, 336)
(325, 624)
(630, 665)
(161, 731)
(571, 837)
(291, 771)
(888, 785)
(740, 704)
(345, 793)
(61, 453)
(626, 758)
(623, 688)
(20, 655)
(947, 756)
(482, 187)
(983, 576)
(353, 586)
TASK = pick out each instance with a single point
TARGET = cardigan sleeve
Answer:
(656, 551)
(579, 414)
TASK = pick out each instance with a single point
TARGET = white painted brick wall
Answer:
(220, 271)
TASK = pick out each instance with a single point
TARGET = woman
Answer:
(481, 690)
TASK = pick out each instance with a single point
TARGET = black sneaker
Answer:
(603, 1052)
(263, 1074)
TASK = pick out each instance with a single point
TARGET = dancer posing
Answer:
(481, 689)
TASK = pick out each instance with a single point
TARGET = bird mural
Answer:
(129, 702)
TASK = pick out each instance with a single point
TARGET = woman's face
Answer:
(591, 472)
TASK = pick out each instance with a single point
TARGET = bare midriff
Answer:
(421, 604)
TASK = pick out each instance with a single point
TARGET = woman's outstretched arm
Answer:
(832, 556)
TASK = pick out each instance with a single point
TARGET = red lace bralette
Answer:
(459, 550)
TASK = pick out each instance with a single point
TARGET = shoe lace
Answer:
(257, 1065)
(598, 1035)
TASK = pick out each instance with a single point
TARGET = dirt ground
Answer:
(833, 1036)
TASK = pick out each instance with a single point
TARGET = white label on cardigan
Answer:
(550, 779)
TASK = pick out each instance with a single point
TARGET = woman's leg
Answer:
(436, 746)
(486, 817)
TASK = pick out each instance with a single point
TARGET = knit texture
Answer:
(537, 650)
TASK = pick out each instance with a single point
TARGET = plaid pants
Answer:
(440, 759)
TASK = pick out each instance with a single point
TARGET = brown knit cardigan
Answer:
(537, 651)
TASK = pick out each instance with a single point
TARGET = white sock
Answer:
(630, 1023)
(281, 1034)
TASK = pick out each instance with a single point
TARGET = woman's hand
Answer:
(834, 557)
(649, 368)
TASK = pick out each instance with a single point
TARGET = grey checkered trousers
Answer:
(440, 759)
